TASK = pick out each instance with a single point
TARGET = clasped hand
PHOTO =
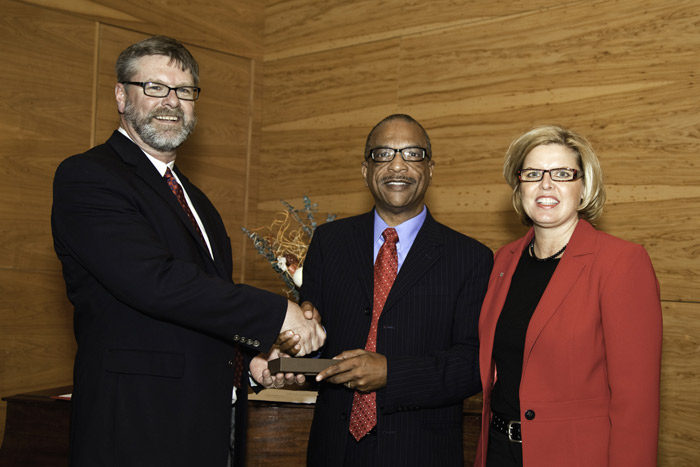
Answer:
(305, 325)
(308, 336)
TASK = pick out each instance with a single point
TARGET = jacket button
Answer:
(368, 311)
(231, 363)
(530, 414)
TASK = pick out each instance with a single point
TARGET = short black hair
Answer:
(405, 118)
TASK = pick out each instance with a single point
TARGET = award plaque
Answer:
(306, 366)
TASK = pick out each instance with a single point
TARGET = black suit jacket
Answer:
(156, 319)
(428, 332)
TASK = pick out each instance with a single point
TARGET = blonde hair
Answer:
(591, 206)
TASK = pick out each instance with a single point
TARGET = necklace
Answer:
(548, 258)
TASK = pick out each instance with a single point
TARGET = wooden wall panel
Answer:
(42, 119)
(42, 115)
(679, 437)
(231, 26)
(37, 344)
(299, 27)
(477, 74)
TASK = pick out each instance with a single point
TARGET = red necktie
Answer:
(238, 367)
(180, 195)
(363, 416)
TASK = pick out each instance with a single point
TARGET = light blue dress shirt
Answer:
(407, 232)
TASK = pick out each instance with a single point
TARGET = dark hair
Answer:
(156, 45)
(405, 118)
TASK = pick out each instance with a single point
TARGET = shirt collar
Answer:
(160, 166)
(407, 232)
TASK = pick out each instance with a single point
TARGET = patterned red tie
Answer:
(180, 195)
(238, 367)
(363, 416)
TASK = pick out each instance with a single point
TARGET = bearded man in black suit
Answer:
(163, 332)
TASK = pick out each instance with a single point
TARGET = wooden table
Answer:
(37, 428)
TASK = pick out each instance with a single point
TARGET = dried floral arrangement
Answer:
(285, 241)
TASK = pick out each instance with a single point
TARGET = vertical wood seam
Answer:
(95, 75)
(246, 191)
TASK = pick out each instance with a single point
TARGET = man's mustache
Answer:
(398, 178)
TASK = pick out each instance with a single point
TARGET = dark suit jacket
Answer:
(592, 361)
(427, 331)
(156, 319)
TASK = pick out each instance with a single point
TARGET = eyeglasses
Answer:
(382, 154)
(185, 93)
(563, 174)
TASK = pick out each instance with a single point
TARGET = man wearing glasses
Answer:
(164, 335)
(400, 296)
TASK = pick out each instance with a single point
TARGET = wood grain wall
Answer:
(477, 74)
(291, 88)
(57, 99)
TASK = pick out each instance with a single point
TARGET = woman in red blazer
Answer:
(571, 325)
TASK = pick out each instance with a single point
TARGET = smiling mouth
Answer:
(167, 118)
(547, 201)
(398, 182)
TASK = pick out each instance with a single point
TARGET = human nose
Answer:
(171, 98)
(546, 181)
(397, 164)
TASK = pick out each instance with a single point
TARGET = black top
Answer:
(529, 283)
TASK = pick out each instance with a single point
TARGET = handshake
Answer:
(301, 331)
(301, 334)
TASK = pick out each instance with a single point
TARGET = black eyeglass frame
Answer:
(143, 84)
(370, 154)
(578, 174)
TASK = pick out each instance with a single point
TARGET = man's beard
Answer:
(158, 139)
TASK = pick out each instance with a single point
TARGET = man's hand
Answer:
(261, 374)
(310, 332)
(287, 341)
(357, 369)
(310, 311)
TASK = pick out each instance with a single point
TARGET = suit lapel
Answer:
(499, 283)
(132, 155)
(359, 240)
(203, 207)
(573, 263)
(426, 250)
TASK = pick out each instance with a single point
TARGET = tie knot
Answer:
(390, 235)
(168, 174)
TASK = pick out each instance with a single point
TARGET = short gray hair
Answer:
(156, 45)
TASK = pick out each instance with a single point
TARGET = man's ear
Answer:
(364, 172)
(120, 96)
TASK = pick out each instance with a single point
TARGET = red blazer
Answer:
(591, 366)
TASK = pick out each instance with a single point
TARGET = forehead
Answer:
(551, 156)
(398, 134)
(160, 68)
